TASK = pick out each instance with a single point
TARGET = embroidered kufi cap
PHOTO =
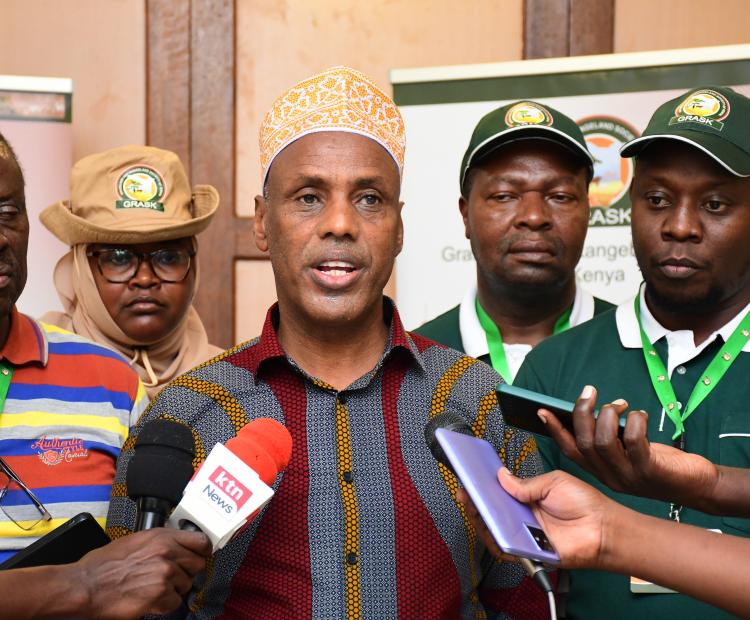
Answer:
(339, 99)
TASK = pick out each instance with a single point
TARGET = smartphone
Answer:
(65, 544)
(519, 407)
(511, 523)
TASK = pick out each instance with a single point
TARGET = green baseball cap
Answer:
(714, 119)
(522, 120)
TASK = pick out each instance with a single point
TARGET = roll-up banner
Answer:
(35, 118)
(611, 96)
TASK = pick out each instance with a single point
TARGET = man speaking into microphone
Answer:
(364, 524)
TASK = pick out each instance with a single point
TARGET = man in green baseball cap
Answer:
(524, 202)
(680, 350)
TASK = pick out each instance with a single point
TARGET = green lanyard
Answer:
(6, 374)
(711, 377)
(495, 340)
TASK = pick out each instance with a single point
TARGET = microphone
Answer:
(454, 422)
(233, 483)
(449, 421)
(161, 466)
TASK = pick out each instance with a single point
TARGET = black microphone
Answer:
(159, 470)
(449, 421)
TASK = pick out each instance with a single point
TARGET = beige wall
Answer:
(280, 42)
(98, 43)
(642, 25)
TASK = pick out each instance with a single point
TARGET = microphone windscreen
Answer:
(449, 421)
(265, 445)
(162, 461)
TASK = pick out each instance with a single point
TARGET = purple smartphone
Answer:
(512, 524)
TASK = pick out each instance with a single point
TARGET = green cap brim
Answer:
(717, 148)
(525, 132)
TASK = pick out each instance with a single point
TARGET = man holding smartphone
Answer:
(524, 202)
(679, 350)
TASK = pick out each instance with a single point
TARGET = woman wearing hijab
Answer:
(131, 274)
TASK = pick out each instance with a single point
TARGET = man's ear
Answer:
(259, 223)
(463, 207)
(400, 233)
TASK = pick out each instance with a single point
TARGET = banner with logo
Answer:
(35, 118)
(611, 97)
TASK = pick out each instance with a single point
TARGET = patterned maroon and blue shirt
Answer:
(364, 523)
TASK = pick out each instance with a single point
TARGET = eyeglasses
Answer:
(17, 501)
(119, 265)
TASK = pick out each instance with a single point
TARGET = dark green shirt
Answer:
(718, 429)
(446, 328)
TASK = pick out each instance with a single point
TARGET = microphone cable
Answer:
(539, 575)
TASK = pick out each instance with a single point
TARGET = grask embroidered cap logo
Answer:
(527, 113)
(702, 106)
(522, 120)
(130, 194)
(714, 119)
(140, 187)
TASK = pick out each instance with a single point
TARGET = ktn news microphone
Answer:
(234, 482)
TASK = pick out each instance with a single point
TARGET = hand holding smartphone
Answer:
(511, 523)
(519, 408)
(65, 544)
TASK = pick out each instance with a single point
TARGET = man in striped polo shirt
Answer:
(66, 405)
(364, 524)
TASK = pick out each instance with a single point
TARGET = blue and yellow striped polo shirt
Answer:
(67, 413)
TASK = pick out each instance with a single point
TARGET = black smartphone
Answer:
(519, 408)
(65, 544)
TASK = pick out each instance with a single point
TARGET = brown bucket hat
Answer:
(131, 194)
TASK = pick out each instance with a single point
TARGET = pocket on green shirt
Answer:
(734, 451)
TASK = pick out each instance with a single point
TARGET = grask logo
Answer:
(604, 136)
(140, 187)
(527, 113)
(231, 487)
(706, 107)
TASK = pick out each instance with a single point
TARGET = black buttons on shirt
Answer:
(351, 558)
(342, 398)
(348, 476)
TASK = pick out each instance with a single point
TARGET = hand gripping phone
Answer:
(67, 543)
(519, 408)
(511, 523)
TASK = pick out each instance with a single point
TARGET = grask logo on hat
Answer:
(519, 120)
(140, 187)
(704, 106)
(130, 194)
(527, 113)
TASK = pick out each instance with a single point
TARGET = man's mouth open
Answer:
(336, 273)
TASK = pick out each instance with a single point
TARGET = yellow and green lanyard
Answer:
(495, 340)
(6, 374)
(711, 376)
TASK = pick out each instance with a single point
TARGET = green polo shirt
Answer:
(459, 327)
(606, 353)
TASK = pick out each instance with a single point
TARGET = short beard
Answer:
(690, 306)
(528, 290)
